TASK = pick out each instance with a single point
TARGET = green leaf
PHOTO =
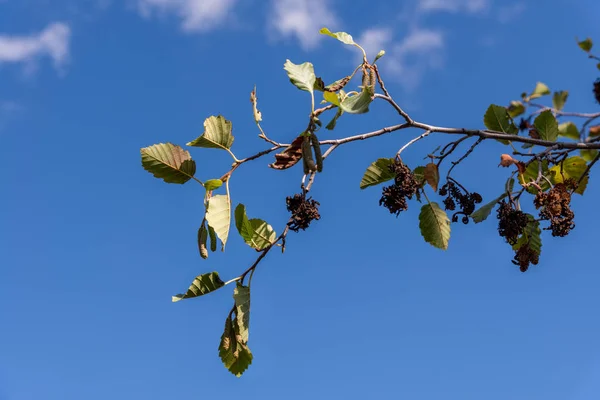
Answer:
(301, 75)
(419, 173)
(547, 126)
(540, 90)
(213, 238)
(236, 355)
(485, 211)
(497, 119)
(559, 99)
(432, 175)
(572, 167)
(532, 234)
(341, 36)
(359, 103)
(568, 130)
(217, 134)
(212, 184)
(586, 45)
(202, 236)
(379, 55)
(378, 172)
(332, 98)
(241, 296)
(255, 232)
(218, 216)
(589, 155)
(168, 162)
(435, 225)
(202, 284)
(515, 109)
(333, 122)
(532, 172)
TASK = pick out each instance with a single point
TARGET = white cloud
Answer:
(408, 61)
(52, 42)
(510, 12)
(375, 39)
(195, 15)
(301, 19)
(454, 6)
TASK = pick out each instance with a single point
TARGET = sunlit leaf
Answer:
(540, 90)
(218, 216)
(255, 232)
(435, 225)
(515, 109)
(589, 155)
(301, 75)
(331, 97)
(213, 184)
(559, 99)
(341, 36)
(241, 296)
(168, 162)
(378, 172)
(202, 284)
(359, 103)
(217, 134)
(234, 353)
(568, 130)
(572, 167)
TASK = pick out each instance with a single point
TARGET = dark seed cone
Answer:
(511, 222)
(597, 90)
(303, 210)
(405, 187)
(525, 256)
(555, 206)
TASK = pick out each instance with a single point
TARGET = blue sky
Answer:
(359, 306)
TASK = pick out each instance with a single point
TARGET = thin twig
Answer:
(425, 134)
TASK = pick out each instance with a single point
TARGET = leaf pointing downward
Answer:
(218, 216)
(435, 225)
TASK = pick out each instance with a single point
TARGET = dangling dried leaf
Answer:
(290, 156)
(506, 160)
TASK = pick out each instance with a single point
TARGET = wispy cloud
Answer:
(408, 60)
(510, 12)
(52, 42)
(195, 15)
(301, 19)
(454, 6)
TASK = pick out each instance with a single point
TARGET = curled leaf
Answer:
(254, 101)
(289, 156)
